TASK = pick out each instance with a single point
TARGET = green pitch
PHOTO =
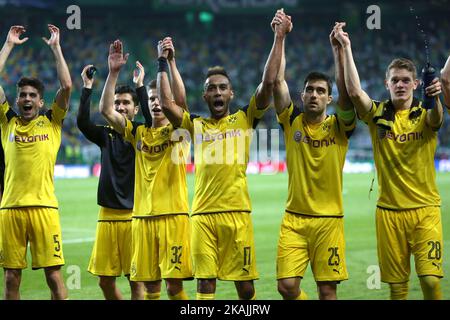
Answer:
(78, 210)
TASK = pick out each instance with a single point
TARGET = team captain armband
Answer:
(163, 66)
(346, 115)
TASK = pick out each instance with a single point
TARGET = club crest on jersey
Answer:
(40, 123)
(297, 136)
(133, 270)
(326, 127)
(232, 119)
(414, 120)
(165, 132)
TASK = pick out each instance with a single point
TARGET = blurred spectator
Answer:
(241, 45)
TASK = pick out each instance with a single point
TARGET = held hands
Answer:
(14, 34)
(87, 83)
(166, 49)
(116, 58)
(53, 42)
(138, 75)
(281, 23)
(338, 36)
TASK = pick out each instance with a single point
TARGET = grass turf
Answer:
(78, 210)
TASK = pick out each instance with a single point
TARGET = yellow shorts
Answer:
(161, 248)
(319, 240)
(111, 254)
(406, 232)
(223, 246)
(38, 226)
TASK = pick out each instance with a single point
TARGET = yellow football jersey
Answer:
(221, 152)
(30, 157)
(315, 156)
(160, 170)
(404, 158)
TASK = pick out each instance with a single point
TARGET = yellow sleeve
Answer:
(284, 117)
(58, 113)
(188, 123)
(129, 133)
(369, 116)
(4, 108)
(254, 114)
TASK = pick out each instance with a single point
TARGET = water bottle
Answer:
(428, 75)
(90, 72)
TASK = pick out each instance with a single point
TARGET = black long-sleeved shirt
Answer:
(116, 185)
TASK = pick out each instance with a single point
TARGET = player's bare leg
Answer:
(55, 282)
(12, 278)
(137, 289)
(152, 290)
(431, 287)
(327, 290)
(175, 289)
(206, 285)
(206, 289)
(245, 290)
(289, 289)
(109, 288)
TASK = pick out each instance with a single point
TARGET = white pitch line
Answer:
(79, 240)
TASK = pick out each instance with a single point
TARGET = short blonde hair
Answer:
(402, 63)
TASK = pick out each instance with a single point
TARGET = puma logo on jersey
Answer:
(437, 265)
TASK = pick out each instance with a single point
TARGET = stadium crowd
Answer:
(239, 46)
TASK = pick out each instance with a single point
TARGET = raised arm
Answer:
(116, 60)
(445, 78)
(281, 95)
(63, 95)
(12, 39)
(171, 109)
(176, 82)
(345, 107)
(361, 101)
(84, 123)
(265, 89)
(141, 91)
(435, 116)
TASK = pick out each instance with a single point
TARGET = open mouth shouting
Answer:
(157, 110)
(27, 108)
(218, 105)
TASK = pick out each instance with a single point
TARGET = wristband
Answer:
(163, 66)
